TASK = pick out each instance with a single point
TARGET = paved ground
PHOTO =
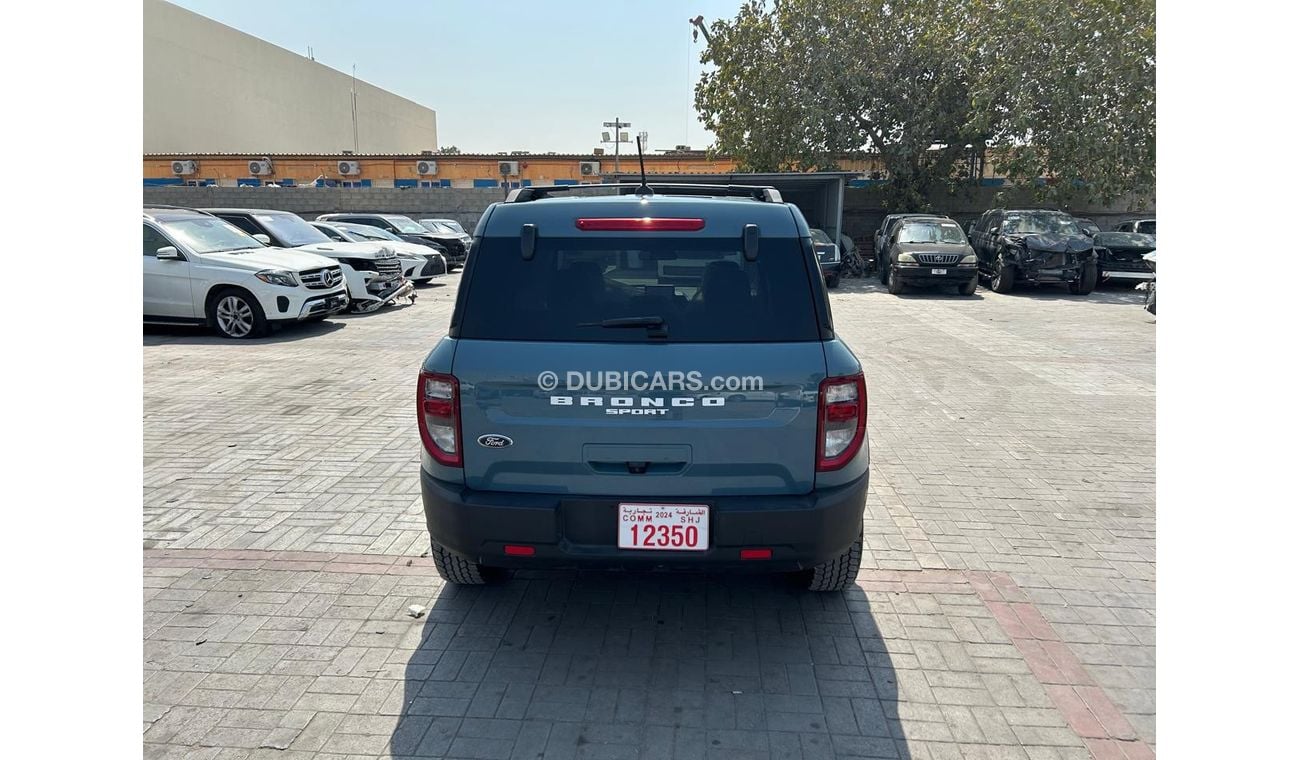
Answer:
(1005, 610)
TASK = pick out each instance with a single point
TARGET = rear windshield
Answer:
(698, 290)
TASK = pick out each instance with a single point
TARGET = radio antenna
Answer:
(644, 189)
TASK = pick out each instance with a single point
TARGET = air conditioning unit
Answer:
(589, 168)
(426, 167)
(507, 167)
(185, 167)
(258, 168)
(347, 168)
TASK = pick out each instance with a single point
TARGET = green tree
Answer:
(1058, 88)
(1067, 92)
(451, 150)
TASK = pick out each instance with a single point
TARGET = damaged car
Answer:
(420, 264)
(372, 271)
(406, 228)
(1033, 247)
(1120, 256)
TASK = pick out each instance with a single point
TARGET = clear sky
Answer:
(506, 75)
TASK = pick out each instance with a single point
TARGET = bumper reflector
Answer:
(516, 550)
(756, 554)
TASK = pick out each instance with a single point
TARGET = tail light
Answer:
(439, 412)
(841, 420)
(640, 224)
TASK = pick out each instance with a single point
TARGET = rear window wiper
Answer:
(654, 325)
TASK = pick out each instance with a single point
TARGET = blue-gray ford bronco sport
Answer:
(645, 378)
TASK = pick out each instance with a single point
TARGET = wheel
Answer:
(234, 313)
(1087, 280)
(456, 569)
(896, 285)
(884, 271)
(839, 573)
(1151, 299)
(1004, 277)
(968, 289)
(833, 281)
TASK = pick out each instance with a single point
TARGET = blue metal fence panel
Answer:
(487, 183)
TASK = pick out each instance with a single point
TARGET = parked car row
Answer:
(242, 271)
(1010, 248)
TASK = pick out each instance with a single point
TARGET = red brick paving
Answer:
(1087, 710)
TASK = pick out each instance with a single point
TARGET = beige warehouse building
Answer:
(214, 89)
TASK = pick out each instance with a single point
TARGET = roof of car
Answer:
(723, 216)
(165, 213)
(377, 215)
(247, 211)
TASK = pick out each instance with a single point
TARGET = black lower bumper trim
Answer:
(580, 531)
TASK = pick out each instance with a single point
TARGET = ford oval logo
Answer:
(493, 441)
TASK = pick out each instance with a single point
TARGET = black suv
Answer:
(928, 251)
(1033, 247)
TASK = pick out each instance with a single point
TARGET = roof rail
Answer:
(765, 193)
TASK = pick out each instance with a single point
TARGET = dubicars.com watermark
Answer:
(641, 381)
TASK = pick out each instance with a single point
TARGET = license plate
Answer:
(664, 527)
(938, 271)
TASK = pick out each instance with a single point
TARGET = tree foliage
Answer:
(1063, 89)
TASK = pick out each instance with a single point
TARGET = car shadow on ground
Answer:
(638, 664)
(871, 284)
(157, 335)
(1106, 293)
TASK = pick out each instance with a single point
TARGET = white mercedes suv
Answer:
(199, 269)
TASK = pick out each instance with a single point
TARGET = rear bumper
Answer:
(1127, 276)
(582, 531)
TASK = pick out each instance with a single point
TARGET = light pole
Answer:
(618, 136)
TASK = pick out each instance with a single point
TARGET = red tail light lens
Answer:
(640, 224)
(438, 400)
(841, 420)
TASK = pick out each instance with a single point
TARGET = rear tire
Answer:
(1004, 277)
(1087, 281)
(833, 281)
(896, 286)
(968, 289)
(841, 572)
(456, 569)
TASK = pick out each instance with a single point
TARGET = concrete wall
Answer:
(862, 208)
(211, 88)
(465, 205)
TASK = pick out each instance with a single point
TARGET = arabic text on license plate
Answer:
(938, 271)
(665, 527)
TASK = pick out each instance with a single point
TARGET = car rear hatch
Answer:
(639, 366)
